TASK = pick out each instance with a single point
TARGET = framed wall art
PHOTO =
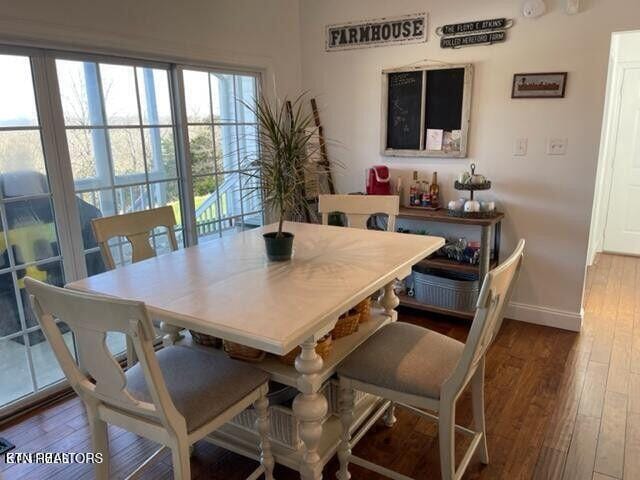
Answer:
(539, 85)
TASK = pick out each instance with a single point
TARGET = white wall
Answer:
(547, 200)
(262, 34)
(625, 47)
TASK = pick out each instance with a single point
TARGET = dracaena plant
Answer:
(285, 156)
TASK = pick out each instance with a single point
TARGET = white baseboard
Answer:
(550, 317)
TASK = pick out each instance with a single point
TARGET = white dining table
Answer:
(227, 288)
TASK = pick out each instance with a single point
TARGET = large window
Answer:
(222, 133)
(83, 137)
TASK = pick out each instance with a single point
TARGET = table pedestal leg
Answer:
(389, 299)
(310, 408)
(171, 334)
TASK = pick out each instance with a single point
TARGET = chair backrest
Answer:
(358, 208)
(136, 227)
(90, 318)
(493, 299)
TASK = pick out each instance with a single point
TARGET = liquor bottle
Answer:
(426, 197)
(412, 190)
(417, 198)
(434, 190)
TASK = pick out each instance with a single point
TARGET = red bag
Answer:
(378, 180)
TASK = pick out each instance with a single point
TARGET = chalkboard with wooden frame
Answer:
(425, 111)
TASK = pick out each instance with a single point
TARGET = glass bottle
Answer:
(426, 197)
(412, 189)
(434, 191)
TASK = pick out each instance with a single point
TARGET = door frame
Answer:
(611, 115)
(611, 145)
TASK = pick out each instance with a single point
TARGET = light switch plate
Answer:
(557, 146)
(520, 147)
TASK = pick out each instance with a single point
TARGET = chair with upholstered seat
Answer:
(359, 208)
(424, 370)
(175, 397)
(137, 228)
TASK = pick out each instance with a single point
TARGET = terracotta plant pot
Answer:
(279, 249)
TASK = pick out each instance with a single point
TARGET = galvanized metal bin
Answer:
(446, 289)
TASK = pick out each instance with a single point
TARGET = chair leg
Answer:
(477, 396)
(266, 456)
(446, 431)
(132, 358)
(346, 405)
(390, 415)
(181, 461)
(100, 442)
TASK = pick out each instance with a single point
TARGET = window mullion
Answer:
(215, 159)
(183, 156)
(235, 110)
(58, 163)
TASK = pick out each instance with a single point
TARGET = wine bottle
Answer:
(434, 191)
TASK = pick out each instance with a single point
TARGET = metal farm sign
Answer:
(377, 33)
(478, 32)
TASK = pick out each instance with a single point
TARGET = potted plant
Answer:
(285, 156)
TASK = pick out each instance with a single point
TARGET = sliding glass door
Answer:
(83, 137)
(29, 240)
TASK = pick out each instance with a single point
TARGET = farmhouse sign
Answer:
(479, 32)
(377, 32)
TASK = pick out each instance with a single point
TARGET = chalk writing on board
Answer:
(403, 110)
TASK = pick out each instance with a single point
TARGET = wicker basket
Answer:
(205, 340)
(242, 352)
(364, 309)
(324, 347)
(346, 325)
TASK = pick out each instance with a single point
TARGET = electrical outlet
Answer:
(557, 146)
(520, 147)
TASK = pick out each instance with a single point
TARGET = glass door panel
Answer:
(29, 242)
(121, 138)
(223, 142)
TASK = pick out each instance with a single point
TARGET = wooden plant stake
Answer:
(324, 158)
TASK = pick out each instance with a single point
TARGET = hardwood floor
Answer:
(560, 405)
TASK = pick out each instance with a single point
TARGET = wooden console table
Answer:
(486, 262)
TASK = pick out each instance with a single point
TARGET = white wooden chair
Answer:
(175, 397)
(136, 227)
(358, 208)
(424, 370)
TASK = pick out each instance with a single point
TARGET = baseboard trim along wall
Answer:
(550, 317)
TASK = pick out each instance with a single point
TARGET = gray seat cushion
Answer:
(404, 358)
(202, 384)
